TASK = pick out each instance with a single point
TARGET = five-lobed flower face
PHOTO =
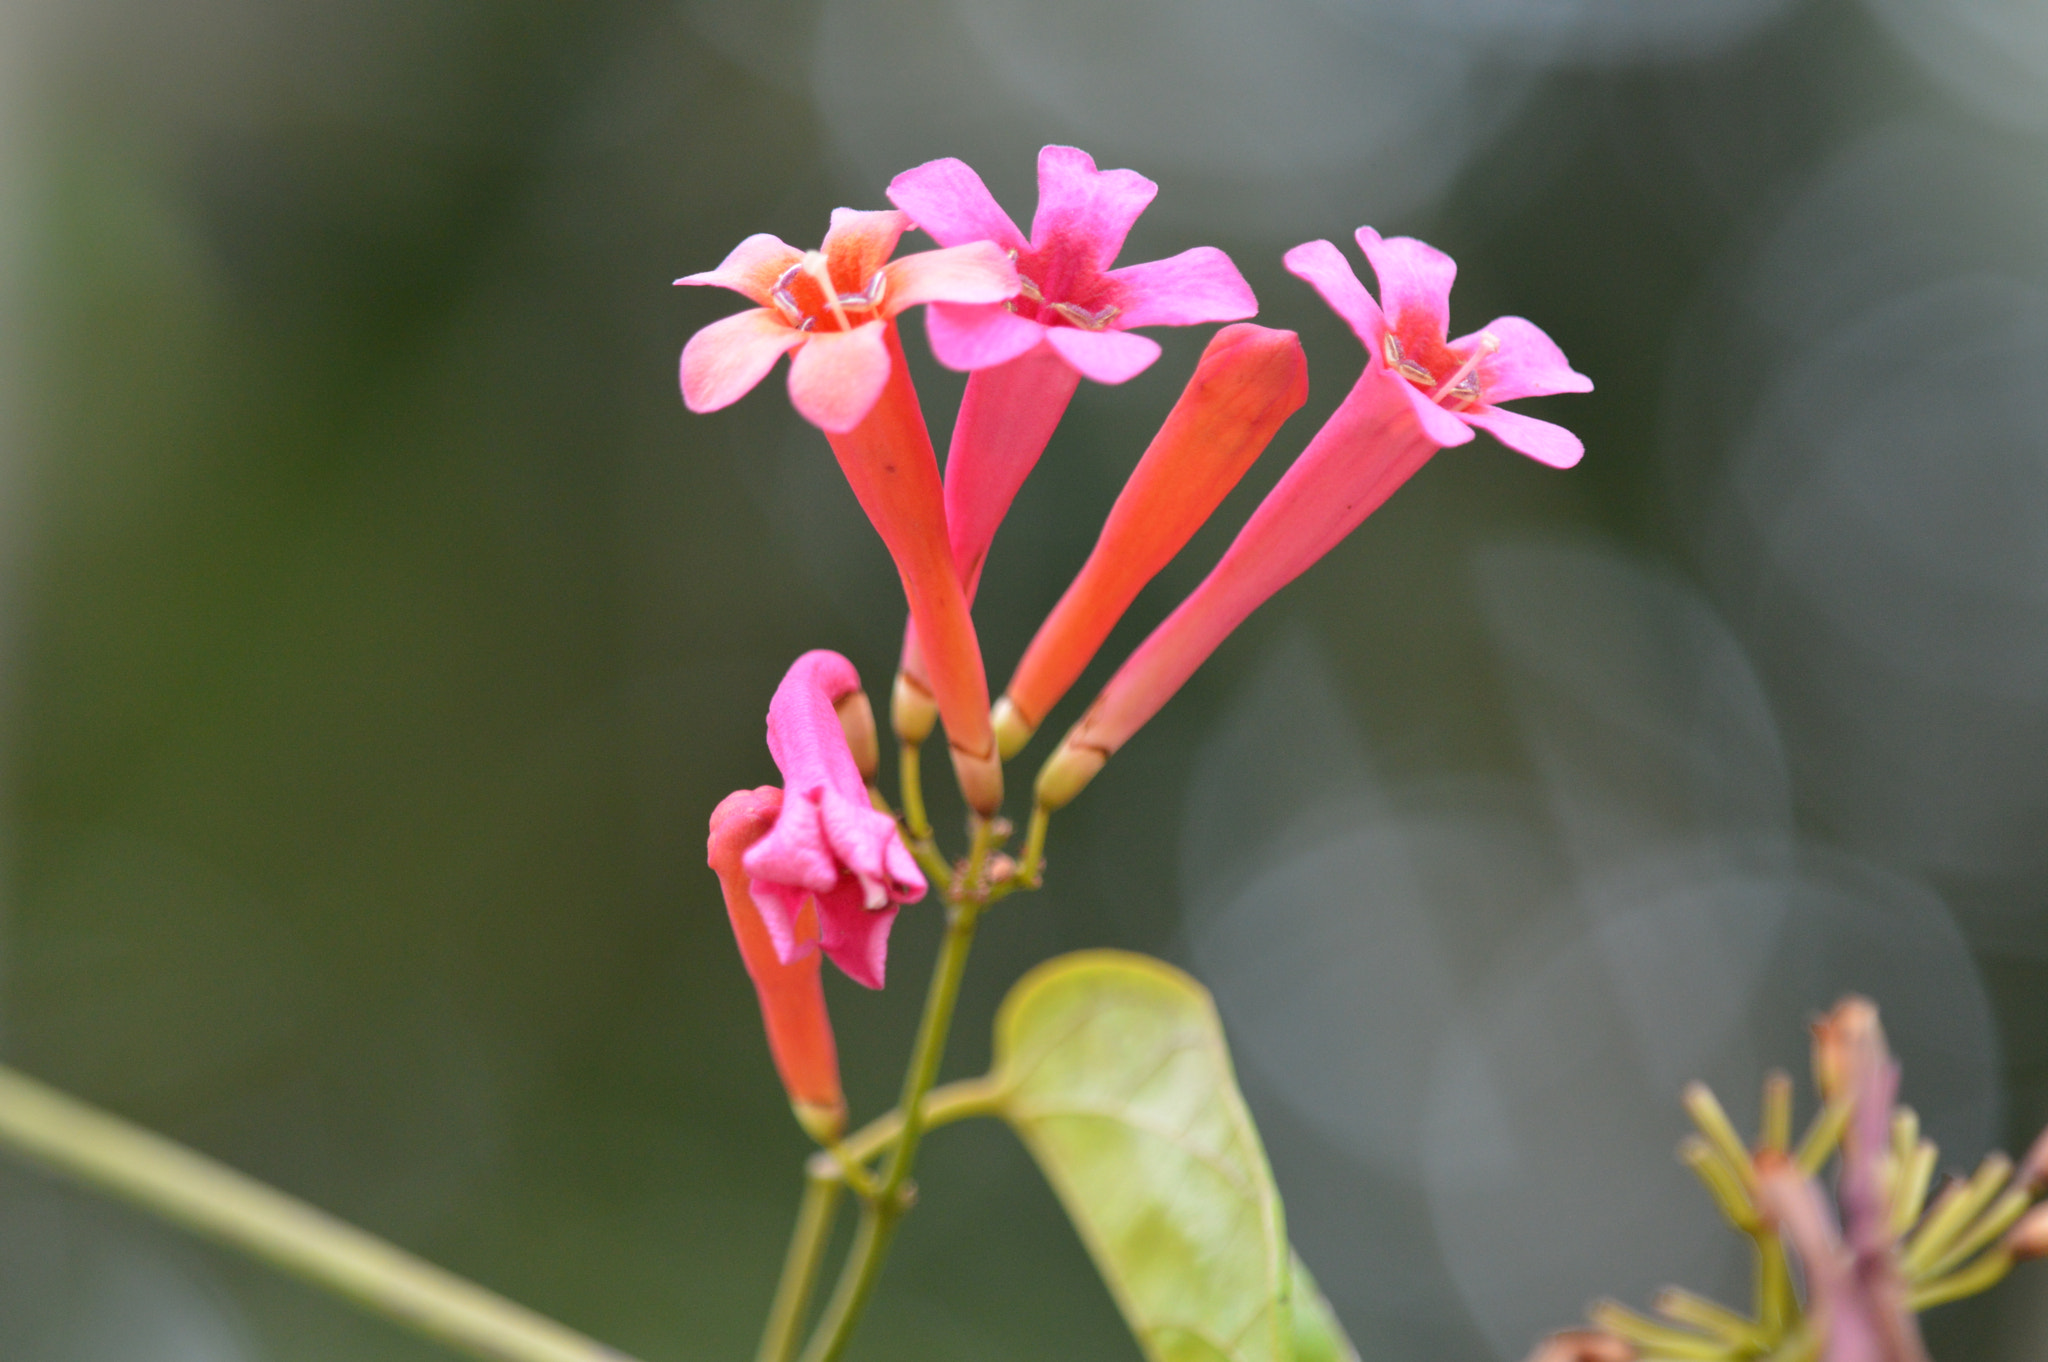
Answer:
(1451, 384)
(1070, 297)
(830, 306)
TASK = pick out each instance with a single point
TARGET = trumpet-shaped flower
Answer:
(791, 996)
(836, 309)
(831, 307)
(1249, 380)
(1072, 317)
(1419, 393)
(829, 846)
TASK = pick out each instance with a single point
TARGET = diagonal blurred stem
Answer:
(879, 1217)
(800, 1268)
(109, 1154)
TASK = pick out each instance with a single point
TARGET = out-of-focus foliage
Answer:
(379, 632)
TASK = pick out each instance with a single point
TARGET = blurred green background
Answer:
(380, 630)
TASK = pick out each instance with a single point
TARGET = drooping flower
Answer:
(837, 309)
(1249, 380)
(791, 996)
(829, 846)
(831, 307)
(1419, 393)
(1073, 316)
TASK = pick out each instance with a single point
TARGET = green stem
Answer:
(932, 1029)
(879, 1217)
(1033, 863)
(107, 1153)
(955, 1101)
(800, 1268)
(856, 1282)
(910, 777)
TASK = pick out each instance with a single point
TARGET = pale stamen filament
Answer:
(818, 268)
(1464, 384)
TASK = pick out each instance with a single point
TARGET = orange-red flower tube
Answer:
(889, 462)
(792, 996)
(1250, 380)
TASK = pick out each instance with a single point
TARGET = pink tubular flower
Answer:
(791, 996)
(1419, 393)
(829, 844)
(1073, 317)
(832, 307)
(850, 379)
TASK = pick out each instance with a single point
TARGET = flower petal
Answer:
(752, 267)
(724, 361)
(1326, 270)
(981, 337)
(978, 272)
(835, 379)
(1540, 440)
(857, 243)
(1528, 364)
(1442, 427)
(948, 200)
(855, 938)
(782, 913)
(1199, 285)
(862, 838)
(1415, 279)
(794, 852)
(1105, 356)
(1091, 210)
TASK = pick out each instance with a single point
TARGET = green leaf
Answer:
(1318, 1337)
(1113, 1070)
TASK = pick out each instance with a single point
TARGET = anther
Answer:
(784, 300)
(1464, 384)
(1083, 318)
(1399, 362)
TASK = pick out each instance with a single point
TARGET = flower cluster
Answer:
(1871, 1257)
(823, 864)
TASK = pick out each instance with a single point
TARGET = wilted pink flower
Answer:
(1072, 317)
(832, 307)
(792, 999)
(1419, 393)
(828, 843)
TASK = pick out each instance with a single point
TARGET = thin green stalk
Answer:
(951, 1102)
(1032, 865)
(932, 1030)
(879, 1217)
(800, 1268)
(181, 1185)
(856, 1282)
(910, 778)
